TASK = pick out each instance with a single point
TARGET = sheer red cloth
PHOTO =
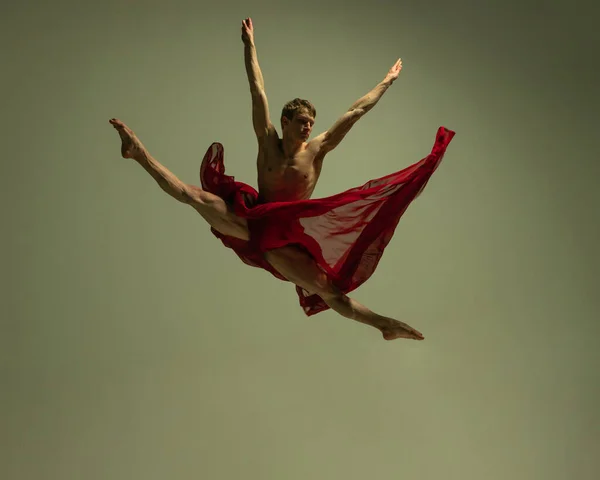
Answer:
(346, 233)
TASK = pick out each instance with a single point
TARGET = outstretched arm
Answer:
(332, 137)
(260, 107)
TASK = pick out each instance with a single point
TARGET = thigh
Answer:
(301, 269)
(218, 214)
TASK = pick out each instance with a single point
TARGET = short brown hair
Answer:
(298, 105)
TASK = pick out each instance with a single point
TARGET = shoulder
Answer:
(317, 151)
(268, 144)
(317, 145)
(269, 139)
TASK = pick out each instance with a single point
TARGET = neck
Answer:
(290, 146)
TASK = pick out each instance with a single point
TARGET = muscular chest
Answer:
(283, 179)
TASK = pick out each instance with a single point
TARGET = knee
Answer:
(185, 196)
(193, 195)
(181, 192)
(326, 289)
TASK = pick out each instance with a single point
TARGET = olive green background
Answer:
(135, 346)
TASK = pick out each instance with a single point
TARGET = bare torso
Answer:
(284, 178)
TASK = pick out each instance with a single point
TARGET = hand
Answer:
(394, 71)
(247, 31)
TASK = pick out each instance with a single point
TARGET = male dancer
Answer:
(326, 247)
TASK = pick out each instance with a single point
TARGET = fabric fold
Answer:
(345, 233)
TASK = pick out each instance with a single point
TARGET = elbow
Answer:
(256, 89)
(356, 113)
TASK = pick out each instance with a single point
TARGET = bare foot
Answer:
(130, 145)
(399, 329)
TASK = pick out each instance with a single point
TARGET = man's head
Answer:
(297, 119)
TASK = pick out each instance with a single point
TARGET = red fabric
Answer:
(346, 233)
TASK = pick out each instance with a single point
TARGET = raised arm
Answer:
(330, 139)
(260, 107)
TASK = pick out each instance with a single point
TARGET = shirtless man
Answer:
(288, 169)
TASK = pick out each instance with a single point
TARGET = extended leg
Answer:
(300, 268)
(212, 208)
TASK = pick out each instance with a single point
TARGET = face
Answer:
(300, 127)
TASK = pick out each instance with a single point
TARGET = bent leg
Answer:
(301, 269)
(211, 207)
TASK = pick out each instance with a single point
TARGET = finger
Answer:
(413, 330)
(416, 335)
